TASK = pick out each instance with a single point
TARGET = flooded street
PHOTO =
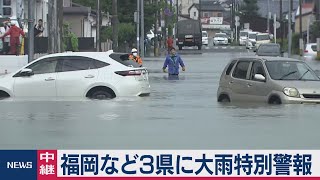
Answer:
(179, 114)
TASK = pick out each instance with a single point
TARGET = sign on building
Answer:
(216, 20)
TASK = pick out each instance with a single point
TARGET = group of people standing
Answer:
(10, 36)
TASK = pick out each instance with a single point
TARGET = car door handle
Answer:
(89, 76)
(49, 79)
(249, 85)
(231, 82)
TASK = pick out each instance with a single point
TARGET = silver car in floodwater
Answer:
(273, 80)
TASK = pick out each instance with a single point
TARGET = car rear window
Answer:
(124, 59)
(314, 47)
(230, 67)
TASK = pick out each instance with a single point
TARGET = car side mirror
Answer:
(259, 77)
(26, 72)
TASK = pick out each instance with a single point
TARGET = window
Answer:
(194, 14)
(314, 48)
(206, 14)
(230, 67)
(44, 66)
(219, 14)
(241, 70)
(6, 11)
(257, 68)
(99, 64)
(6, 3)
(75, 64)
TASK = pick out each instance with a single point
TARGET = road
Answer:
(179, 114)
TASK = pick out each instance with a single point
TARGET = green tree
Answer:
(249, 9)
(126, 33)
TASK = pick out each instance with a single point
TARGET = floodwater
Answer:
(179, 114)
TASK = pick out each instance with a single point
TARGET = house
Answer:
(82, 19)
(307, 16)
(212, 16)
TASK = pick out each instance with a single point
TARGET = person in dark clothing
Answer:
(38, 29)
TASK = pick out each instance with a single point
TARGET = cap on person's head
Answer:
(134, 50)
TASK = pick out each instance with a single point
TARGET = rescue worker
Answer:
(173, 60)
(14, 33)
(135, 57)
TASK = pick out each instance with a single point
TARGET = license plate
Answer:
(180, 42)
(188, 36)
(189, 40)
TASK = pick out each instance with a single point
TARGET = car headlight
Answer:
(291, 92)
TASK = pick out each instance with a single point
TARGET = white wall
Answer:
(193, 11)
(186, 4)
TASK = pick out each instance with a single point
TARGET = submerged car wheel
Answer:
(4, 95)
(224, 98)
(274, 100)
(101, 95)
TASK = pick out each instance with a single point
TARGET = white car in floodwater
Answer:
(96, 75)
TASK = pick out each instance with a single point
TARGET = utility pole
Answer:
(300, 29)
(115, 25)
(289, 29)
(165, 24)
(268, 23)
(138, 25)
(142, 30)
(55, 22)
(281, 26)
(31, 4)
(98, 26)
(155, 39)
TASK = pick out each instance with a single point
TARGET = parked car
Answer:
(270, 49)
(189, 33)
(310, 52)
(220, 39)
(273, 80)
(262, 38)
(251, 40)
(96, 75)
(205, 38)
(243, 36)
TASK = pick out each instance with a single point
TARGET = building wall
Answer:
(305, 24)
(184, 5)
(194, 14)
(76, 23)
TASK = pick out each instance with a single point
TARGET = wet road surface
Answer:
(179, 114)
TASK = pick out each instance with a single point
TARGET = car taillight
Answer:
(129, 73)
(306, 51)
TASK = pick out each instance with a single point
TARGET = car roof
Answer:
(86, 54)
(268, 58)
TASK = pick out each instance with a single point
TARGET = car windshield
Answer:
(314, 47)
(221, 35)
(204, 34)
(290, 70)
(263, 37)
(243, 34)
(263, 49)
(252, 36)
